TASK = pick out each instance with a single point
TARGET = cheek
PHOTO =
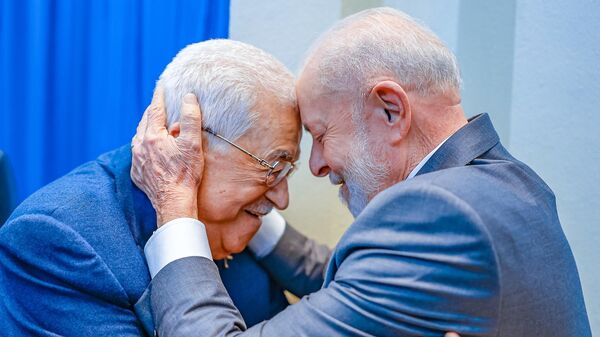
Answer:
(224, 202)
(225, 190)
(335, 153)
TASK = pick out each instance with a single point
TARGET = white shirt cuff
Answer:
(175, 240)
(268, 235)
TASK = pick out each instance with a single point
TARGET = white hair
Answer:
(228, 77)
(383, 42)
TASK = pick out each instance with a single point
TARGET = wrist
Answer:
(176, 209)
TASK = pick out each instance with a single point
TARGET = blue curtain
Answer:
(76, 75)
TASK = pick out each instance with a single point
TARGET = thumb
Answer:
(190, 120)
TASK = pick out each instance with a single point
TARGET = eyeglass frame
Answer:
(261, 161)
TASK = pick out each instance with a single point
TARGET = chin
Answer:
(220, 256)
(232, 237)
(239, 245)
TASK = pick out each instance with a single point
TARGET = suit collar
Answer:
(469, 142)
(138, 210)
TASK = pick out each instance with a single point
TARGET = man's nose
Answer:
(317, 163)
(279, 195)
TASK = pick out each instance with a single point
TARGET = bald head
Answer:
(383, 43)
(377, 92)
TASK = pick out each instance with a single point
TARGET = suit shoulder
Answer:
(483, 176)
(422, 250)
(418, 214)
(81, 190)
(417, 202)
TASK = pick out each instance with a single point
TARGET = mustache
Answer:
(263, 208)
(335, 179)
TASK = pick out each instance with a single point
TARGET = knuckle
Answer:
(135, 176)
(152, 139)
(195, 145)
(155, 108)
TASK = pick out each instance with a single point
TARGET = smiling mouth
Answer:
(255, 214)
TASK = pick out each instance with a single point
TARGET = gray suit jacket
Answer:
(472, 244)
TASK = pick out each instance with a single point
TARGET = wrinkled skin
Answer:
(168, 165)
(177, 163)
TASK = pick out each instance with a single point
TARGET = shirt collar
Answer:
(424, 160)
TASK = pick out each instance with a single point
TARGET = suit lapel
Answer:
(466, 144)
(137, 208)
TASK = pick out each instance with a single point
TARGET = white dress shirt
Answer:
(175, 240)
(186, 237)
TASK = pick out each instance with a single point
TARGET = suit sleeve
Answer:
(53, 283)
(297, 263)
(419, 267)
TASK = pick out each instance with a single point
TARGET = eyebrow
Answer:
(282, 154)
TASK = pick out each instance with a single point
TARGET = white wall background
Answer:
(555, 120)
(533, 65)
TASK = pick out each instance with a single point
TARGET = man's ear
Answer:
(390, 109)
(174, 129)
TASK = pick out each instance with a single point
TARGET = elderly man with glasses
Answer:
(71, 255)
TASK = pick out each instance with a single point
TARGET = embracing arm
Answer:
(418, 273)
(296, 262)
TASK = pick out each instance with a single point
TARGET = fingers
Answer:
(156, 114)
(191, 122)
(141, 130)
(158, 96)
(157, 103)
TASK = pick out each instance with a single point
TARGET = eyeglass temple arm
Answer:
(261, 161)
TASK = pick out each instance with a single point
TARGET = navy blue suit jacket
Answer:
(72, 262)
(472, 244)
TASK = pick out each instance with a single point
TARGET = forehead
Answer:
(322, 108)
(311, 101)
(276, 131)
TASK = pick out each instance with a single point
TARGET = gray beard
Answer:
(364, 176)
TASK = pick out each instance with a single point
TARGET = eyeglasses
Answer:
(278, 170)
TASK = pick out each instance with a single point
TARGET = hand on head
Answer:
(171, 176)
